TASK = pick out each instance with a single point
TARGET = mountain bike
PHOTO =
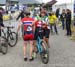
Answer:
(43, 50)
(12, 37)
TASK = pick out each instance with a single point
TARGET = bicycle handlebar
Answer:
(9, 27)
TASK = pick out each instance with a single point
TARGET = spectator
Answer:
(52, 19)
(1, 22)
(57, 12)
(21, 15)
(68, 22)
(62, 18)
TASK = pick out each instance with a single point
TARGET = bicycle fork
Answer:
(40, 50)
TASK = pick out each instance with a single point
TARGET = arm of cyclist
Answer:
(19, 25)
(18, 16)
(34, 25)
(46, 23)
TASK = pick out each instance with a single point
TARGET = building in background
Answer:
(12, 5)
(3, 3)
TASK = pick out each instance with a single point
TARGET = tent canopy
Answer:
(29, 1)
(50, 3)
(59, 1)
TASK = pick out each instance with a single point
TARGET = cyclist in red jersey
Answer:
(28, 36)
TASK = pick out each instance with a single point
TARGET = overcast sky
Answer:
(41, 1)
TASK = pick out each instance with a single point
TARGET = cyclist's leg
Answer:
(31, 38)
(46, 36)
(31, 48)
(25, 38)
(34, 46)
(25, 49)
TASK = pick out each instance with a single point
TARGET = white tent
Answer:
(64, 2)
(29, 1)
(59, 1)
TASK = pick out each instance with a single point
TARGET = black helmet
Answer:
(27, 13)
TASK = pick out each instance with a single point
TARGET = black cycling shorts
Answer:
(46, 33)
(41, 33)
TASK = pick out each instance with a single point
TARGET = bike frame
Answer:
(7, 34)
(39, 47)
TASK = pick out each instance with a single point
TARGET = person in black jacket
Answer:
(68, 22)
(62, 18)
(57, 12)
(21, 15)
(1, 22)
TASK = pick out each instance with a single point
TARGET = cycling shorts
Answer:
(46, 33)
(28, 36)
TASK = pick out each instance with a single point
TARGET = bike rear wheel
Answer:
(13, 38)
(4, 45)
(45, 54)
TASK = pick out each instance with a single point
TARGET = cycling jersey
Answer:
(28, 29)
(42, 21)
(41, 32)
(38, 23)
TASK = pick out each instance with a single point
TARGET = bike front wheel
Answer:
(45, 53)
(13, 38)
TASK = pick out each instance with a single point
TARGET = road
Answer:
(62, 53)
